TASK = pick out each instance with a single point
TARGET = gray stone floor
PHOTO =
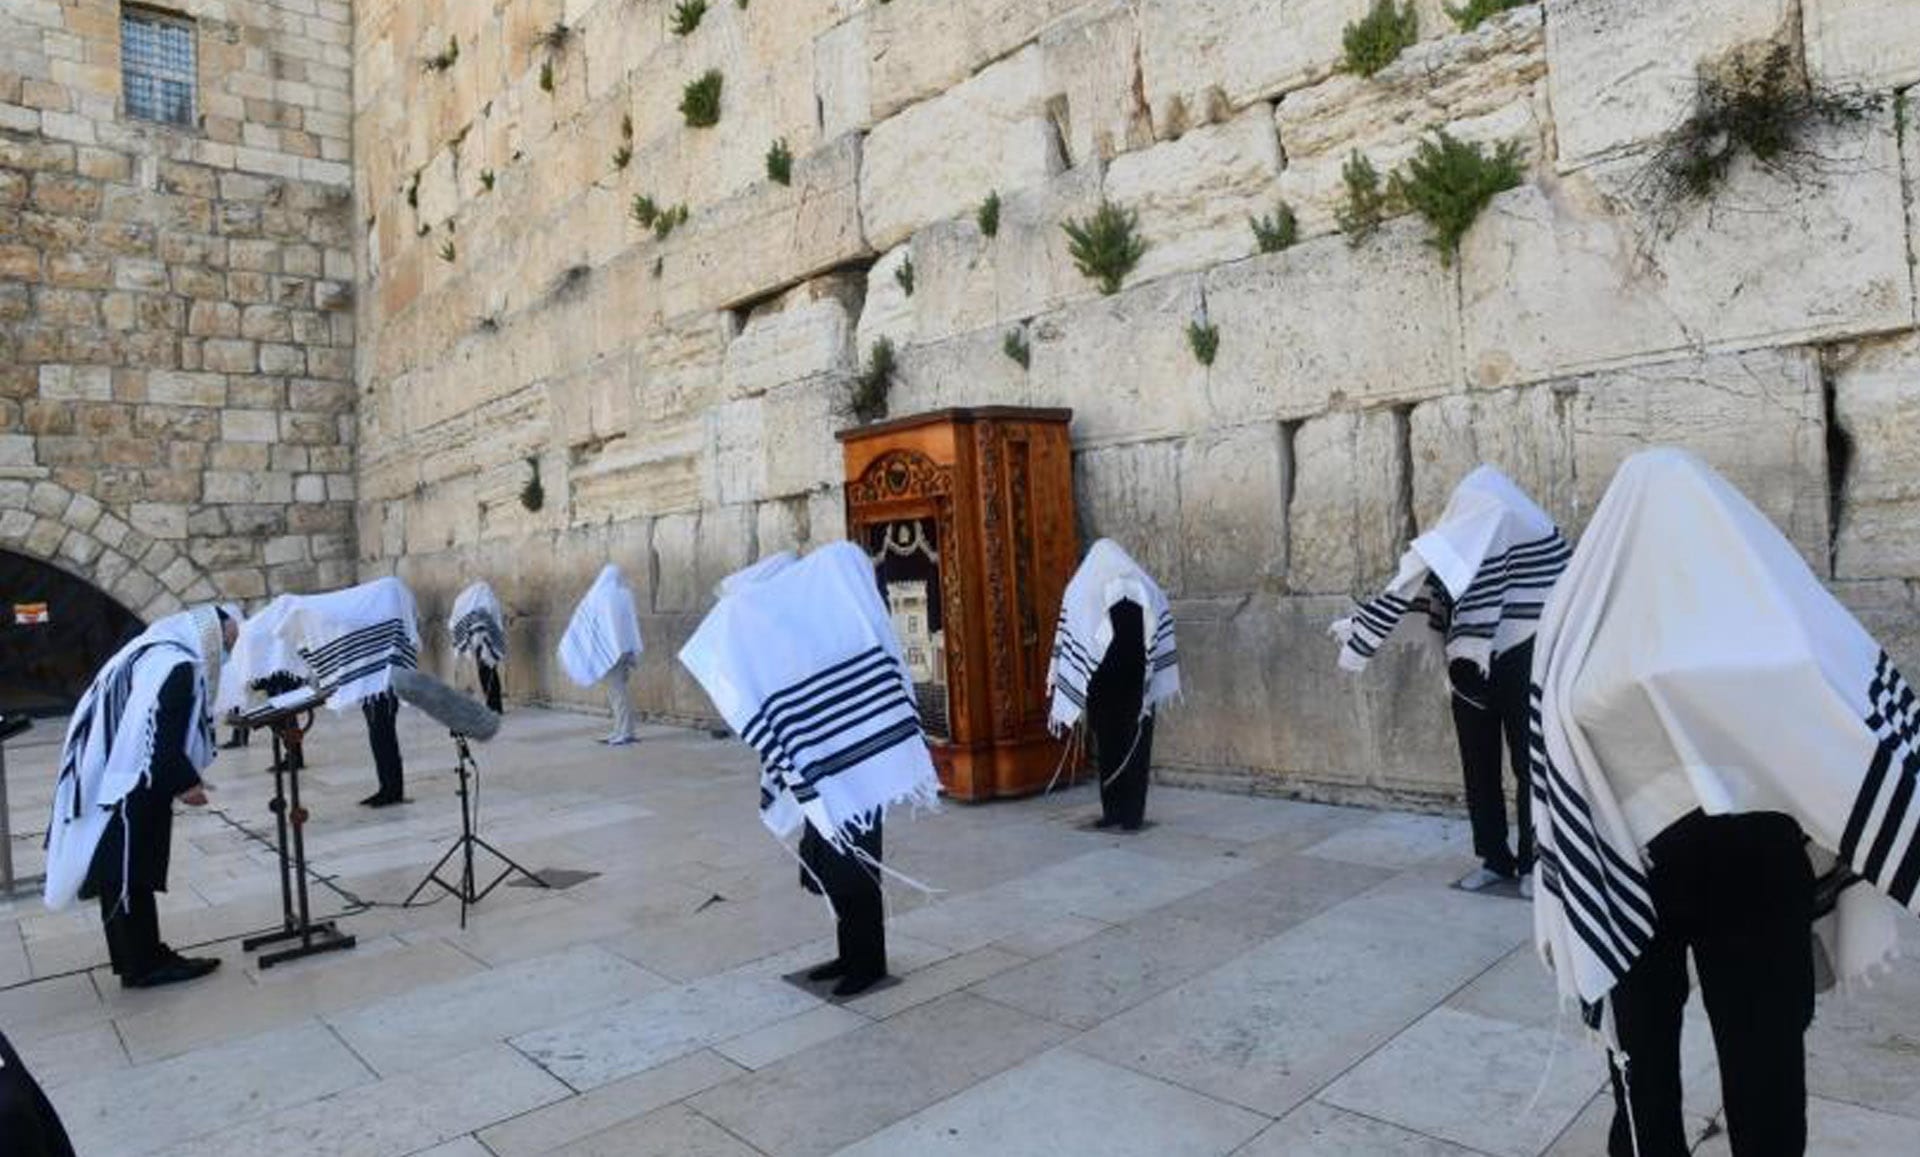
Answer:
(1249, 977)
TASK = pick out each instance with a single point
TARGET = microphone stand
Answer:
(465, 889)
(290, 822)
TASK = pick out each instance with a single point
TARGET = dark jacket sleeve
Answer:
(173, 772)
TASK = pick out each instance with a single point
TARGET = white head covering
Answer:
(1085, 631)
(109, 744)
(604, 629)
(1689, 659)
(477, 625)
(260, 650)
(352, 639)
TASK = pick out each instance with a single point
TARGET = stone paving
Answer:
(1248, 976)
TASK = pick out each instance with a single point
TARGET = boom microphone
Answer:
(460, 714)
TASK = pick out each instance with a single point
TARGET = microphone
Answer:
(460, 714)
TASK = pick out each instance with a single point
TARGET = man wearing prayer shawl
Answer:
(263, 661)
(602, 644)
(1722, 756)
(1108, 668)
(139, 739)
(28, 1125)
(800, 658)
(1480, 575)
(352, 640)
(478, 628)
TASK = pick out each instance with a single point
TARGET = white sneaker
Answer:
(620, 740)
(1526, 886)
(1479, 880)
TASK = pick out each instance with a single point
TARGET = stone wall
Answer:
(676, 396)
(176, 326)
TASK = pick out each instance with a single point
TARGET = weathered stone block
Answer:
(921, 48)
(1194, 196)
(1092, 62)
(969, 370)
(1201, 59)
(1325, 322)
(1870, 42)
(805, 332)
(1347, 516)
(1131, 494)
(177, 388)
(841, 77)
(1622, 72)
(1525, 433)
(249, 425)
(1233, 509)
(943, 156)
(802, 454)
(1877, 406)
(1122, 364)
(887, 310)
(1585, 272)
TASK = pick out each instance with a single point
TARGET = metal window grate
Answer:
(157, 66)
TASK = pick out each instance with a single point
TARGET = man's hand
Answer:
(195, 796)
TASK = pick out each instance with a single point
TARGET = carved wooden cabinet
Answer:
(968, 516)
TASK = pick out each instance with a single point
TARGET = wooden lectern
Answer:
(968, 517)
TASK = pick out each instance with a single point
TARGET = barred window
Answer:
(157, 66)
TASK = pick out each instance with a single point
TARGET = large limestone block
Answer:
(1482, 87)
(1093, 66)
(1877, 405)
(1347, 517)
(738, 430)
(769, 236)
(1201, 59)
(888, 310)
(1584, 272)
(1233, 517)
(1131, 494)
(943, 156)
(682, 366)
(1757, 417)
(920, 48)
(800, 420)
(1525, 433)
(659, 468)
(1868, 42)
(842, 79)
(1122, 364)
(1194, 195)
(1325, 322)
(1622, 72)
(969, 370)
(807, 331)
(693, 552)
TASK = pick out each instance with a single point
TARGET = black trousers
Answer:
(490, 685)
(854, 888)
(1122, 740)
(1486, 709)
(1736, 891)
(28, 1125)
(133, 932)
(381, 711)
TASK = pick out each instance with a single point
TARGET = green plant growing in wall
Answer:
(1477, 12)
(1107, 245)
(553, 37)
(444, 59)
(1449, 182)
(988, 215)
(422, 229)
(665, 222)
(740, 4)
(1015, 346)
(1366, 203)
(1277, 231)
(533, 495)
(486, 180)
(780, 162)
(1378, 38)
(447, 251)
(903, 275)
(413, 190)
(686, 16)
(700, 100)
(1204, 341)
(870, 388)
(622, 156)
(546, 76)
(644, 210)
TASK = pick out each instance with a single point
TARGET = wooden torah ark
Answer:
(969, 517)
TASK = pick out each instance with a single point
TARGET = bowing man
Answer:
(138, 740)
(1114, 662)
(1724, 757)
(602, 644)
(351, 641)
(478, 628)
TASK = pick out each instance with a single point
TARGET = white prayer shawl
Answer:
(1690, 659)
(1085, 631)
(802, 662)
(352, 639)
(478, 625)
(260, 651)
(1486, 568)
(109, 748)
(604, 630)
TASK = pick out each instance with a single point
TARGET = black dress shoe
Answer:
(382, 799)
(1105, 822)
(831, 970)
(178, 970)
(856, 984)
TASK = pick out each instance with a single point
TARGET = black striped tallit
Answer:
(1507, 594)
(835, 719)
(360, 654)
(478, 633)
(1886, 801)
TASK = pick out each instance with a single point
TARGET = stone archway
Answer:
(78, 535)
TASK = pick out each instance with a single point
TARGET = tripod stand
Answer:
(467, 890)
